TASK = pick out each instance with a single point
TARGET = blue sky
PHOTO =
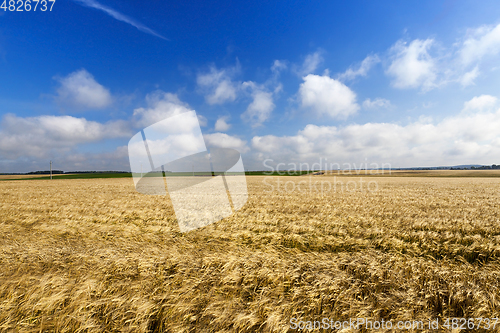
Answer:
(409, 84)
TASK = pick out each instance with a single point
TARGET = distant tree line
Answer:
(487, 167)
(60, 172)
(97, 172)
(54, 172)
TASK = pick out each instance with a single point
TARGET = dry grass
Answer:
(95, 256)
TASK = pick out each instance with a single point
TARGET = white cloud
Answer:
(218, 85)
(79, 89)
(461, 139)
(220, 88)
(310, 64)
(351, 73)
(480, 103)
(278, 66)
(161, 105)
(468, 78)
(119, 16)
(412, 66)
(377, 103)
(26, 143)
(36, 136)
(221, 124)
(481, 42)
(115, 160)
(223, 140)
(327, 96)
(260, 109)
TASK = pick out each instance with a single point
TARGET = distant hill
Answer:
(455, 167)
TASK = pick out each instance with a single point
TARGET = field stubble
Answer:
(94, 256)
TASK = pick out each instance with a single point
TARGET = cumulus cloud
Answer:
(160, 105)
(460, 139)
(218, 85)
(36, 136)
(377, 103)
(480, 42)
(223, 140)
(71, 160)
(116, 160)
(259, 110)
(26, 142)
(362, 70)
(480, 103)
(80, 90)
(219, 88)
(412, 66)
(221, 124)
(327, 96)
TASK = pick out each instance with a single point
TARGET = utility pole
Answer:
(50, 169)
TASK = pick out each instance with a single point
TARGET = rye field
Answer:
(93, 255)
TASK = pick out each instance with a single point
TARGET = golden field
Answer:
(20, 176)
(416, 173)
(96, 256)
